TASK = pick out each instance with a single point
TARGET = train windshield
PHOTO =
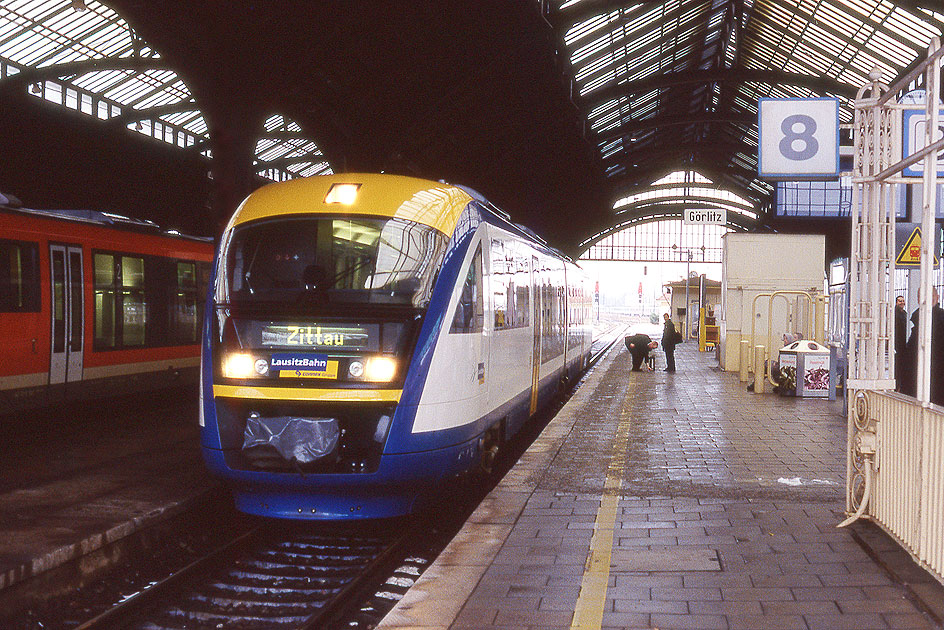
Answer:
(292, 260)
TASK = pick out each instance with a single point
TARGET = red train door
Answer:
(67, 313)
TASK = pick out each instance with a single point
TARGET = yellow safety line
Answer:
(308, 394)
(588, 612)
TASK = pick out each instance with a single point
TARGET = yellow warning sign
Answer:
(910, 254)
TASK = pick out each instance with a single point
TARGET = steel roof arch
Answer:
(87, 47)
(666, 213)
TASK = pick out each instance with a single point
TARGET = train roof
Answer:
(435, 204)
(10, 203)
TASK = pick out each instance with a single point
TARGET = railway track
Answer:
(289, 577)
(606, 340)
(305, 575)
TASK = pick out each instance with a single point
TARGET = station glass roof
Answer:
(86, 57)
(674, 84)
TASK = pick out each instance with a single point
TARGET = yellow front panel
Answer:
(331, 372)
(301, 393)
(419, 200)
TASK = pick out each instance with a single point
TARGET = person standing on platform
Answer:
(901, 339)
(670, 338)
(639, 346)
(937, 353)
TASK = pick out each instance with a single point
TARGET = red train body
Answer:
(94, 304)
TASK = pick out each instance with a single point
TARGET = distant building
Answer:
(702, 292)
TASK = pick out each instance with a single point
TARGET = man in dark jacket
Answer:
(937, 353)
(901, 337)
(639, 346)
(670, 337)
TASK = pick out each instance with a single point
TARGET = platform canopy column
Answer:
(871, 366)
(233, 135)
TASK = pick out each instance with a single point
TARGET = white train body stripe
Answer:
(20, 381)
(125, 369)
(453, 395)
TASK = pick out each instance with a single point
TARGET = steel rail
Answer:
(609, 344)
(149, 595)
(139, 608)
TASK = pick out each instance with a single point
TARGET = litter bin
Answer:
(804, 367)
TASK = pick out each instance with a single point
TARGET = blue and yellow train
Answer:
(371, 336)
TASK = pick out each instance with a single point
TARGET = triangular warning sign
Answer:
(910, 254)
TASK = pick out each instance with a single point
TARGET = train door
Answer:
(536, 345)
(563, 293)
(66, 313)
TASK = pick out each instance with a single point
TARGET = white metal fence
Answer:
(895, 451)
(898, 459)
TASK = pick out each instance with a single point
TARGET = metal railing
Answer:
(896, 472)
(895, 454)
(813, 328)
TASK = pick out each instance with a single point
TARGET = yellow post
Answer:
(820, 335)
(760, 375)
(744, 367)
(701, 329)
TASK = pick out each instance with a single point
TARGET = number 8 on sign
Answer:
(806, 137)
(798, 138)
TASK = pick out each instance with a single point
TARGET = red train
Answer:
(93, 304)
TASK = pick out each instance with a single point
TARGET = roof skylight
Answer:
(617, 52)
(37, 34)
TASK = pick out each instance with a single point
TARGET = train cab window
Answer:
(470, 311)
(298, 260)
(120, 305)
(19, 277)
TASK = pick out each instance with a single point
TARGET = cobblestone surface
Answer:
(699, 433)
(756, 480)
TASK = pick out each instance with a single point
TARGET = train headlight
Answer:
(380, 369)
(238, 365)
(344, 194)
(356, 369)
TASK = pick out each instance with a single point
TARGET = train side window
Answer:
(120, 304)
(470, 311)
(501, 281)
(510, 285)
(133, 304)
(522, 287)
(186, 317)
(19, 277)
(105, 299)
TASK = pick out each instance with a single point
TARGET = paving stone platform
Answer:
(657, 500)
(75, 478)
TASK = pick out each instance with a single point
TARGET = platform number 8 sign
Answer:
(798, 138)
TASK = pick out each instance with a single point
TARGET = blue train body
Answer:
(357, 353)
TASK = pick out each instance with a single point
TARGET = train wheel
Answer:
(491, 443)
